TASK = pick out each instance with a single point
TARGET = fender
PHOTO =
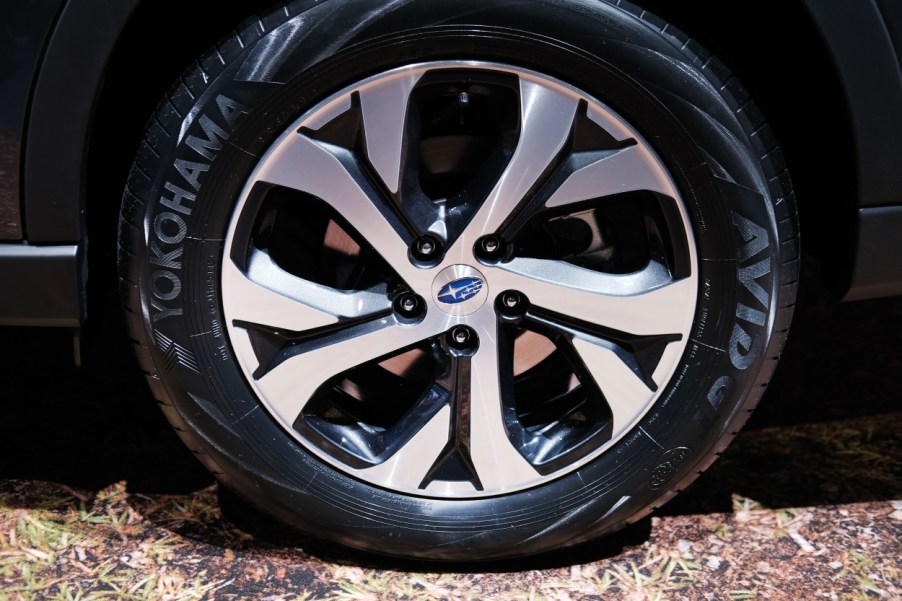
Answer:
(859, 32)
(58, 132)
(868, 65)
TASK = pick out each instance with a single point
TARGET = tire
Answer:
(458, 280)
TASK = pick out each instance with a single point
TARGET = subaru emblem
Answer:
(459, 291)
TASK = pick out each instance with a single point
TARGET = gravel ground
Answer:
(99, 500)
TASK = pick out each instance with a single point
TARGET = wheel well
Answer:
(157, 45)
(779, 55)
(775, 50)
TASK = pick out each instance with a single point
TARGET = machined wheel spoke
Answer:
(625, 392)
(647, 302)
(267, 295)
(468, 437)
(290, 384)
(546, 118)
(410, 464)
(626, 170)
(384, 110)
(331, 174)
(498, 464)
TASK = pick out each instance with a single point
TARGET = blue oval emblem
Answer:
(459, 291)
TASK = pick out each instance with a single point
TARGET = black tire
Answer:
(222, 115)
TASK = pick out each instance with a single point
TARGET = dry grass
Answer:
(59, 543)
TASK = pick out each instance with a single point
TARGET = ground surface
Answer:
(99, 500)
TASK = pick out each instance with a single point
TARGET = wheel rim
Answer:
(459, 279)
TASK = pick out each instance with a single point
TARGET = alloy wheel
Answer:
(459, 279)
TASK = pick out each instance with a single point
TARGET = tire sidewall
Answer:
(623, 63)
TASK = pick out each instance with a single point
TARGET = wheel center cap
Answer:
(459, 290)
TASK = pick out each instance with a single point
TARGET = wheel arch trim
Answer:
(867, 63)
(57, 133)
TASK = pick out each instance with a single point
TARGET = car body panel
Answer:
(59, 132)
(868, 64)
(24, 25)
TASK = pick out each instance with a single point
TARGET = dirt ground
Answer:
(99, 500)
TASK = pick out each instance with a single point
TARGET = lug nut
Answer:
(489, 248)
(463, 339)
(490, 244)
(426, 249)
(460, 335)
(408, 305)
(511, 299)
(426, 246)
(511, 304)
